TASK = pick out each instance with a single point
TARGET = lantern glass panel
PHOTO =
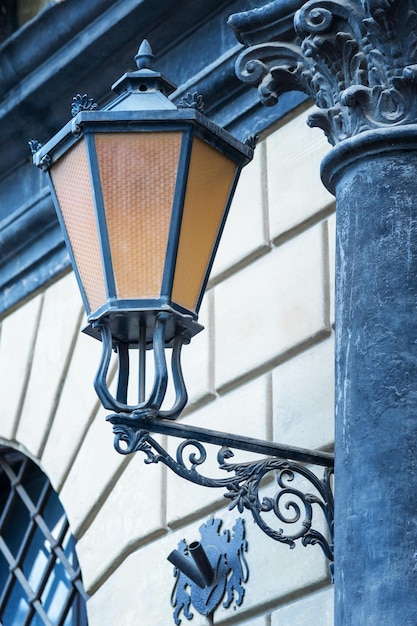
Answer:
(72, 184)
(138, 173)
(210, 181)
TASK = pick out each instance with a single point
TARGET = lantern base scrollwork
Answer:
(143, 331)
(301, 493)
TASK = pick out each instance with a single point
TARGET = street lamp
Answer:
(142, 189)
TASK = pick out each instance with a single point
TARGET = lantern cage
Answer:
(142, 190)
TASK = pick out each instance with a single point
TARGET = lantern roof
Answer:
(142, 98)
(144, 89)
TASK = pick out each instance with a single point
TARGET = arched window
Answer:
(40, 579)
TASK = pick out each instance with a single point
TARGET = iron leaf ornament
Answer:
(192, 100)
(34, 145)
(357, 60)
(82, 103)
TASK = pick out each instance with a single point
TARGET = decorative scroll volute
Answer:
(357, 60)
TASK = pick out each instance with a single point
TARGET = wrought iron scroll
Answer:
(150, 405)
(290, 505)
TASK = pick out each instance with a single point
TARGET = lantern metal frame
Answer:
(160, 324)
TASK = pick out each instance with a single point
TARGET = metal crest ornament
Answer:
(34, 145)
(192, 101)
(208, 570)
(252, 141)
(82, 103)
(357, 60)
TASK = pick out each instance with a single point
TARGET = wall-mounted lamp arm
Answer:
(291, 505)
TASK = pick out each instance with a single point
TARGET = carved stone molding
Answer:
(356, 59)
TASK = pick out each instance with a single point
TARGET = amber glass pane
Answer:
(210, 179)
(138, 173)
(71, 180)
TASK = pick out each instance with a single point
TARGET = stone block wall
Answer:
(263, 367)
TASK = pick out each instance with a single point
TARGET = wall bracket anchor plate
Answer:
(208, 570)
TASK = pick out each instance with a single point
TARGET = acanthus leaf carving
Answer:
(357, 60)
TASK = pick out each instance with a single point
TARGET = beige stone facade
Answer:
(263, 367)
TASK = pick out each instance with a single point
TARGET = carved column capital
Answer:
(356, 59)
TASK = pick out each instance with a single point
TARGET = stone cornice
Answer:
(357, 60)
(274, 21)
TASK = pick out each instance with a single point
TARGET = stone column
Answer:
(358, 61)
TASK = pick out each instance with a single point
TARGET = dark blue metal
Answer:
(100, 213)
(207, 570)
(141, 106)
(202, 562)
(177, 211)
(290, 505)
(150, 406)
(206, 435)
(181, 395)
(124, 328)
(131, 121)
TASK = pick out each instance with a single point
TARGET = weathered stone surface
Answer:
(288, 207)
(303, 402)
(269, 308)
(245, 234)
(318, 606)
(376, 370)
(61, 311)
(77, 406)
(18, 333)
(141, 519)
(344, 55)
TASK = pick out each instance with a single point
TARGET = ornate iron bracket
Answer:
(292, 505)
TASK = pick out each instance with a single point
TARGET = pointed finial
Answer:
(144, 58)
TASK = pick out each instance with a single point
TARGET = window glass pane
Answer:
(37, 551)
(35, 560)
(34, 483)
(54, 516)
(16, 609)
(4, 572)
(16, 528)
